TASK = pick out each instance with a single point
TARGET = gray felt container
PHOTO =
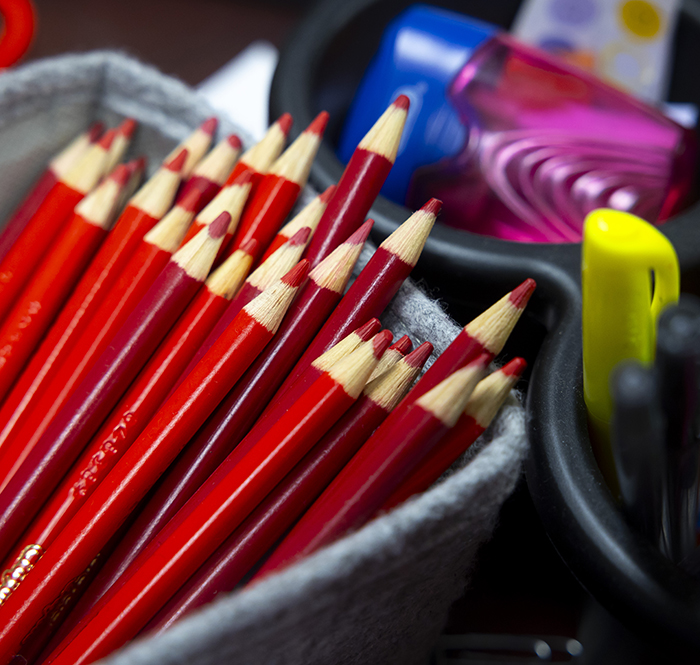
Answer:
(380, 595)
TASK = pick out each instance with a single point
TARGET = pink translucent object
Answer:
(548, 143)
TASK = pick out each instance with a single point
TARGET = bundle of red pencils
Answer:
(168, 417)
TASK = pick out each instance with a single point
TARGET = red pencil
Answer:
(54, 278)
(211, 172)
(239, 410)
(228, 502)
(278, 190)
(122, 138)
(112, 373)
(309, 216)
(481, 409)
(361, 181)
(231, 198)
(258, 158)
(138, 405)
(268, 522)
(39, 233)
(144, 266)
(149, 204)
(57, 169)
(375, 286)
(380, 465)
(196, 144)
(146, 459)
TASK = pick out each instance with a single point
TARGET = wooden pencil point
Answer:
(447, 400)
(385, 135)
(326, 196)
(402, 102)
(388, 389)
(122, 173)
(492, 391)
(234, 141)
(177, 162)
(300, 237)
(403, 345)
(359, 237)
(369, 329)
(168, 233)
(493, 327)
(217, 229)
(521, 294)
(284, 123)
(297, 274)
(318, 125)
(418, 357)
(209, 126)
(433, 207)
(197, 256)
(381, 342)
(408, 240)
(127, 127)
(108, 138)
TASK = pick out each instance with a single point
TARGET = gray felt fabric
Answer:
(380, 595)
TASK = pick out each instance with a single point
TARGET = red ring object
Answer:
(18, 30)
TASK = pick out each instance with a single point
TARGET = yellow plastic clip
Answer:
(629, 273)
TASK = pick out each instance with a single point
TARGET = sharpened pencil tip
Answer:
(209, 126)
(217, 229)
(177, 162)
(520, 295)
(326, 196)
(403, 345)
(95, 131)
(250, 246)
(297, 274)
(318, 126)
(361, 234)
(515, 367)
(300, 237)
(433, 207)
(418, 357)
(368, 330)
(191, 200)
(127, 128)
(381, 342)
(234, 141)
(402, 102)
(139, 164)
(121, 174)
(107, 140)
(284, 122)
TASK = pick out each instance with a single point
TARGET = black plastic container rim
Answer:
(625, 573)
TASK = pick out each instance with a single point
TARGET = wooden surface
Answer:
(189, 39)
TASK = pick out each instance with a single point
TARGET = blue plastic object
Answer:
(421, 51)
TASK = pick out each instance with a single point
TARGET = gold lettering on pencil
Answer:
(13, 576)
(108, 447)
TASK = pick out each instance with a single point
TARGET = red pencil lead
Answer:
(402, 345)
(127, 127)
(242, 179)
(234, 141)
(95, 131)
(515, 367)
(297, 274)
(520, 295)
(326, 196)
(190, 201)
(217, 229)
(284, 122)
(177, 162)
(418, 357)
(122, 173)
(402, 102)
(359, 236)
(106, 141)
(318, 126)
(249, 247)
(368, 330)
(140, 164)
(209, 126)
(381, 342)
(433, 207)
